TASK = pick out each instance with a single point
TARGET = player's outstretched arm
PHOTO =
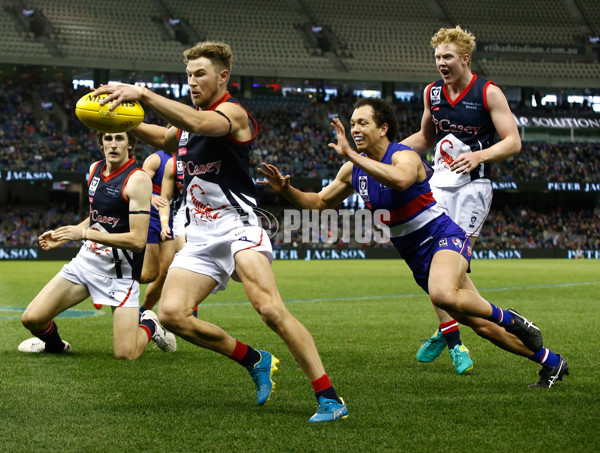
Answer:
(329, 197)
(232, 120)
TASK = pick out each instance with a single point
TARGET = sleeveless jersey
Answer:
(410, 209)
(220, 195)
(109, 213)
(462, 125)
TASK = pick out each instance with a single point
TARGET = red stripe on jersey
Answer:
(92, 172)
(485, 99)
(461, 95)
(118, 171)
(427, 96)
(407, 211)
(125, 184)
(156, 189)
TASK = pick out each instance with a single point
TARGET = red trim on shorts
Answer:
(128, 294)
(259, 241)
(321, 383)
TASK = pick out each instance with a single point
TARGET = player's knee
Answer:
(443, 298)
(487, 330)
(125, 354)
(170, 316)
(272, 314)
(31, 320)
(148, 275)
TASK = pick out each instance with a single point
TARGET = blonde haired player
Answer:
(462, 113)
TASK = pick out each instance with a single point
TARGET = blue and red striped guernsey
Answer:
(409, 209)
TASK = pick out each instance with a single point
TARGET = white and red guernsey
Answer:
(220, 194)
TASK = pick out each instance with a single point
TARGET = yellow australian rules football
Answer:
(126, 116)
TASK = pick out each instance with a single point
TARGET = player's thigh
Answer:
(446, 273)
(184, 290)
(256, 274)
(125, 331)
(57, 296)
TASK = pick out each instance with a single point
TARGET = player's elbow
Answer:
(138, 245)
(402, 183)
(515, 146)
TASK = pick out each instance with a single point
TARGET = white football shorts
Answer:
(115, 292)
(215, 258)
(468, 205)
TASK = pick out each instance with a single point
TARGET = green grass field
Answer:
(367, 318)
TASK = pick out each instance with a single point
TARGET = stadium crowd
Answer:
(39, 132)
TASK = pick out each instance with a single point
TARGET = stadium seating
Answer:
(378, 40)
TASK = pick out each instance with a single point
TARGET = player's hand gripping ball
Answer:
(126, 116)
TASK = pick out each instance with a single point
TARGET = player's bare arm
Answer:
(181, 116)
(151, 166)
(159, 137)
(504, 123)
(330, 197)
(399, 176)
(424, 139)
(49, 239)
(138, 190)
